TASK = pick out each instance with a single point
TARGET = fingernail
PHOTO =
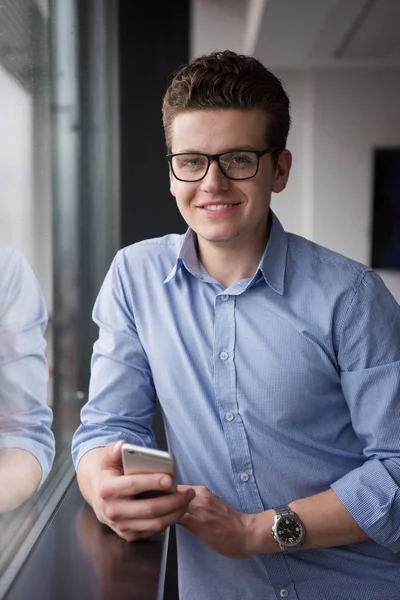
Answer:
(165, 482)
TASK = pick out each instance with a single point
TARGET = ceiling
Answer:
(293, 34)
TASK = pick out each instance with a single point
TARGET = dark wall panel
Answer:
(154, 40)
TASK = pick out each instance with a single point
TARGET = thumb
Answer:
(189, 522)
(112, 455)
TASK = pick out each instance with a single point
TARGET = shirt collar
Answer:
(272, 264)
(273, 261)
(188, 258)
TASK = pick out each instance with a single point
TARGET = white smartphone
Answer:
(139, 460)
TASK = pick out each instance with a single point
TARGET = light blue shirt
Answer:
(276, 388)
(25, 417)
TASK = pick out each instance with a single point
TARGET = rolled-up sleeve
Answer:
(369, 358)
(25, 417)
(122, 399)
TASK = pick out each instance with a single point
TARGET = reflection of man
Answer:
(276, 363)
(122, 570)
(26, 440)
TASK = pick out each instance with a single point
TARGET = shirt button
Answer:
(224, 298)
(223, 355)
(244, 477)
(284, 593)
(229, 416)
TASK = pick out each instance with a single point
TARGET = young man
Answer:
(276, 363)
(26, 439)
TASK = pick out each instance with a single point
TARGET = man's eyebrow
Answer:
(232, 149)
(242, 147)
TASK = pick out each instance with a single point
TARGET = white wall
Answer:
(294, 206)
(207, 34)
(339, 116)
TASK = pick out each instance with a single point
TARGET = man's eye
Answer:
(240, 160)
(192, 162)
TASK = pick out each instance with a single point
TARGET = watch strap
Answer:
(283, 510)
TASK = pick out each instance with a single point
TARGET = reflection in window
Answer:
(59, 213)
(26, 440)
(25, 175)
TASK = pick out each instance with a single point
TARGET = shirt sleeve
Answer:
(122, 398)
(369, 359)
(25, 417)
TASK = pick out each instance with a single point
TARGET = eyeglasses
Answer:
(236, 164)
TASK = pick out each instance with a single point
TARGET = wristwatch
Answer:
(287, 529)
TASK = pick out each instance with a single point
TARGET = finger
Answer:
(199, 489)
(196, 507)
(202, 496)
(183, 488)
(128, 510)
(125, 486)
(189, 522)
(112, 456)
(157, 507)
(149, 526)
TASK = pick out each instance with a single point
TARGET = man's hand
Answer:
(112, 498)
(237, 535)
(218, 525)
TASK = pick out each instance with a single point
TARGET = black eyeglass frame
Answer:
(216, 157)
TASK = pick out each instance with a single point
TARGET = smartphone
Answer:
(139, 459)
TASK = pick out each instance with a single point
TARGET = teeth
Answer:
(217, 206)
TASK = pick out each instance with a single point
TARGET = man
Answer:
(26, 439)
(276, 363)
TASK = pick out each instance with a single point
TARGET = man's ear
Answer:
(282, 171)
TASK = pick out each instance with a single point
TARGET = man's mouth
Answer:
(218, 206)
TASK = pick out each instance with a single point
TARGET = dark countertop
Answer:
(78, 558)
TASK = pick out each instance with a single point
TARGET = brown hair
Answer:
(228, 80)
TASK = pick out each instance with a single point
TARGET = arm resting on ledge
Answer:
(20, 474)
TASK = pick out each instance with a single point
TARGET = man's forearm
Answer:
(20, 474)
(326, 520)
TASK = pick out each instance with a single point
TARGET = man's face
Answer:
(243, 223)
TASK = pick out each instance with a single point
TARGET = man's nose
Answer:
(215, 180)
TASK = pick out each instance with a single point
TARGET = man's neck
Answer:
(231, 262)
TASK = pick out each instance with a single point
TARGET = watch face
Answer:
(289, 531)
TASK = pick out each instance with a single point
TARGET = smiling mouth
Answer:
(217, 206)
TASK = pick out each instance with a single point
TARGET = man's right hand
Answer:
(111, 495)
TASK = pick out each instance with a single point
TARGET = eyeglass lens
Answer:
(236, 165)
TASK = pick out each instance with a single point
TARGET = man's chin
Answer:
(217, 240)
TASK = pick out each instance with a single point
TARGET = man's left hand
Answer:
(218, 525)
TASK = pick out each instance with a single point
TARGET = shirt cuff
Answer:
(79, 450)
(371, 495)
